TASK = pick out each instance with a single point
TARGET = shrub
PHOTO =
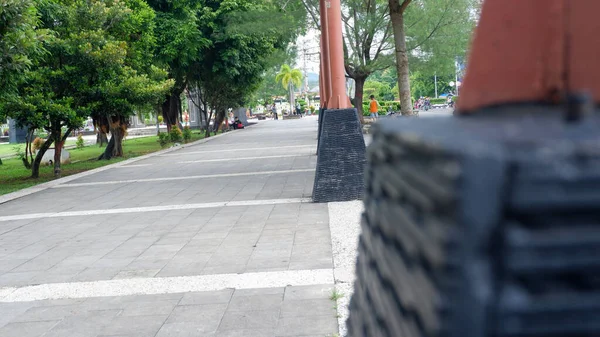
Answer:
(175, 134)
(79, 143)
(160, 119)
(187, 134)
(163, 139)
(438, 101)
(37, 144)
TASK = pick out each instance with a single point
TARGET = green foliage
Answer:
(438, 31)
(175, 135)
(384, 107)
(187, 134)
(381, 90)
(19, 44)
(288, 76)
(163, 139)
(80, 143)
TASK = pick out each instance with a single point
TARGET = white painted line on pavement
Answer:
(155, 208)
(166, 285)
(274, 147)
(133, 166)
(38, 188)
(207, 176)
(244, 158)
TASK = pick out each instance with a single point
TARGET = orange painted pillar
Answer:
(325, 64)
(533, 51)
(321, 86)
(338, 99)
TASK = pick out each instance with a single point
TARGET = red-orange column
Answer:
(325, 68)
(338, 98)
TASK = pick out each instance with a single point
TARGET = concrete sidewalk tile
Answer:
(308, 292)
(235, 320)
(259, 291)
(142, 325)
(310, 307)
(85, 324)
(17, 279)
(186, 329)
(246, 333)
(307, 264)
(149, 263)
(27, 329)
(139, 273)
(48, 313)
(224, 269)
(310, 325)
(162, 307)
(209, 314)
(207, 297)
(255, 303)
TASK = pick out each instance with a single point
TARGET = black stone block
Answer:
(340, 157)
(481, 226)
(16, 135)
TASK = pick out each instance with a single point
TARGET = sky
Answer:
(309, 45)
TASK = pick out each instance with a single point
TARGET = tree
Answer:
(241, 49)
(430, 31)
(19, 43)
(179, 47)
(88, 71)
(289, 78)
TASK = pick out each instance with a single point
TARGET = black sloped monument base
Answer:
(481, 226)
(340, 157)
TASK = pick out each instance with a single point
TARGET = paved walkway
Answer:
(215, 239)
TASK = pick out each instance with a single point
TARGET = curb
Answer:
(38, 188)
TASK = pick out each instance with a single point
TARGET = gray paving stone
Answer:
(246, 333)
(308, 325)
(207, 297)
(234, 320)
(312, 307)
(141, 325)
(48, 313)
(259, 292)
(162, 307)
(186, 329)
(308, 292)
(210, 314)
(255, 303)
(139, 273)
(85, 324)
(27, 329)
(308, 263)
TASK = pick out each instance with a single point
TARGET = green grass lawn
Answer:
(9, 150)
(14, 176)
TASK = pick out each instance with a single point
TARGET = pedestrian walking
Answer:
(373, 107)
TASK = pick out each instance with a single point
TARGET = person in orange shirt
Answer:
(373, 107)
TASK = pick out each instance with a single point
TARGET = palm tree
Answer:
(288, 78)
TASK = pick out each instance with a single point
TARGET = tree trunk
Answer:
(58, 145)
(359, 83)
(115, 145)
(35, 168)
(292, 99)
(101, 138)
(397, 17)
(171, 109)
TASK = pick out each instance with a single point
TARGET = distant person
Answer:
(274, 111)
(373, 107)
